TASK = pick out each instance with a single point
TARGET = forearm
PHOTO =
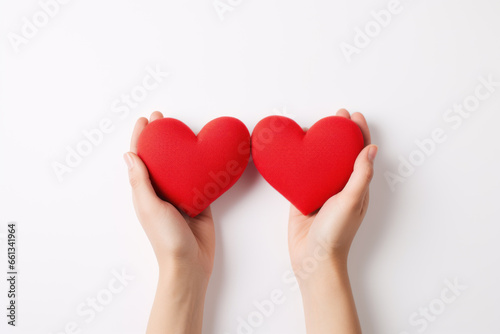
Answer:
(328, 301)
(178, 304)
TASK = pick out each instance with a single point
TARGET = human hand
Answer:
(184, 248)
(319, 245)
(334, 226)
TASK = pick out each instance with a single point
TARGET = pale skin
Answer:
(326, 292)
(185, 248)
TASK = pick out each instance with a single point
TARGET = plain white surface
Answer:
(265, 57)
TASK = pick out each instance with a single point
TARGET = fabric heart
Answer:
(306, 167)
(192, 171)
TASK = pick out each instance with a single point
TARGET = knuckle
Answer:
(350, 203)
(368, 174)
(135, 181)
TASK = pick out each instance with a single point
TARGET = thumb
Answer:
(143, 193)
(362, 174)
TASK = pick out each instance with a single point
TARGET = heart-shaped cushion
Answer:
(307, 167)
(192, 171)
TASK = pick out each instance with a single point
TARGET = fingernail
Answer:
(128, 160)
(372, 153)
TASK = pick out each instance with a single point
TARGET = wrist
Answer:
(183, 291)
(183, 276)
(326, 272)
(179, 302)
(327, 298)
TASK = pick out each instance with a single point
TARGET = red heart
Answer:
(306, 167)
(192, 171)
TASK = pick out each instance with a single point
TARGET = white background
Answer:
(265, 57)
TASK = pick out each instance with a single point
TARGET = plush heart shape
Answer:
(192, 171)
(306, 167)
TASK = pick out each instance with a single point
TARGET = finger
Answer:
(366, 201)
(139, 126)
(294, 212)
(343, 113)
(154, 116)
(202, 227)
(205, 214)
(360, 120)
(143, 193)
(358, 183)
(298, 223)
